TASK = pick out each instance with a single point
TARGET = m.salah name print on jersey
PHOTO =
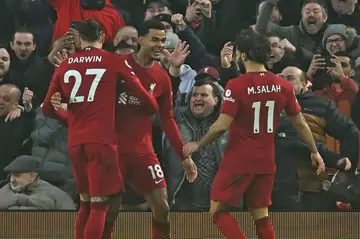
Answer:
(264, 89)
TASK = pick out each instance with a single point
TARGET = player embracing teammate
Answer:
(251, 111)
(107, 147)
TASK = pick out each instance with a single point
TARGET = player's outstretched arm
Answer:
(303, 129)
(220, 126)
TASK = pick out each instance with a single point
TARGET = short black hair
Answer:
(205, 81)
(216, 91)
(255, 46)
(145, 27)
(164, 3)
(268, 35)
(23, 29)
(90, 30)
(322, 4)
(343, 53)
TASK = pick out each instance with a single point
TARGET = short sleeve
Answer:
(292, 108)
(231, 100)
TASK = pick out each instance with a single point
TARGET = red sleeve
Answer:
(168, 123)
(292, 108)
(55, 4)
(47, 108)
(148, 100)
(350, 87)
(62, 115)
(231, 100)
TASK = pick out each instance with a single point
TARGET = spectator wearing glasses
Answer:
(338, 37)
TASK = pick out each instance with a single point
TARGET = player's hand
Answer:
(226, 55)
(60, 57)
(178, 56)
(190, 148)
(190, 169)
(14, 114)
(56, 100)
(317, 160)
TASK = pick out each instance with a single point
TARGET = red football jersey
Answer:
(133, 119)
(87, 83)
(255, 101)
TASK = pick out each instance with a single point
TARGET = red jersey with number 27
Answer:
(87, 83)
(255, 101)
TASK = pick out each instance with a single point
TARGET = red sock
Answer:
(108, 230)
(95, 225)
(228, 226)
(160, 230)
(81, 219)
(264, 228)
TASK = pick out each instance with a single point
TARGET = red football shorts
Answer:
(228, 188)
(96, 169)
(142, 172)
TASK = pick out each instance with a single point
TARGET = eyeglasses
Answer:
(338, 41)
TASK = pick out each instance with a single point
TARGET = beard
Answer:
(17, 188)
(242, 68)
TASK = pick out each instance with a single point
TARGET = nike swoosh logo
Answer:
(157, 182)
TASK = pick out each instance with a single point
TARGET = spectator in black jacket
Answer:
(344, 12)
(289, 150)
(14, 135)
(27, 69)
(4, 65)
(323, 118)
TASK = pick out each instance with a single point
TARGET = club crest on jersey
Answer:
(152, 88)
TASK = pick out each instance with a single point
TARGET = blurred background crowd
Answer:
(314, 45)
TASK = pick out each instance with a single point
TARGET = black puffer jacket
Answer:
(324, 118)
(50, 144)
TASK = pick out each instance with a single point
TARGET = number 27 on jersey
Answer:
(74, 98)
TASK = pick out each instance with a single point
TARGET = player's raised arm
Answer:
(148, 100)
(293, 111)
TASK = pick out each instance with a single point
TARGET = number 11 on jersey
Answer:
(270, 116)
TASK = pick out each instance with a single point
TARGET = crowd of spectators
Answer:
(314, 45)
